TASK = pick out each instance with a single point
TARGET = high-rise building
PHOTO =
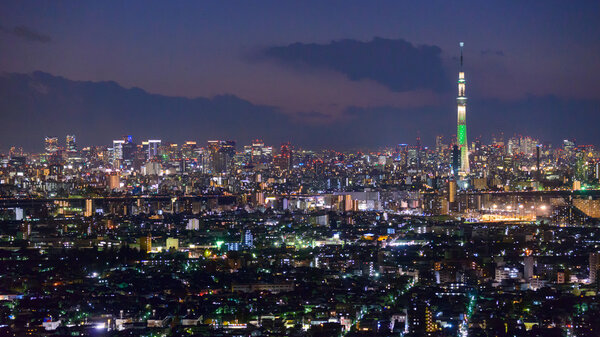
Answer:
(71, 144)
(89, 208)
(221, 154)
(418, 150)
(188, 150)
(455, 160)
(451, 191)
(145, 243)
(128, 151)
(153, 146)
(51, 145)
(420, 317)
(117, 150)
(537, 162)
(568, 145)
(439, 143)
(528, 262)
(521, 146)
(594, 264)
(461, 135)
(114, 181)
(248, 239)
(402, 155)
(258, 152)
(285, 158)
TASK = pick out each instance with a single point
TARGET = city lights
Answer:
(285, 169)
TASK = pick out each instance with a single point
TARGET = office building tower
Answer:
(439, 143)
(402, 155)
(451, 191)
(594, 264)
(248, 239)
(152, 148)
(455, 160)
(188, 150)
(568, 145)
(114, 181)
(51, 145)
(537, 162)
(461, 135)
(117, 151)
(221, 154)
(258, 153)
(128, 151)
(89, 208)
(528, 267)
(145, 243)
(285, 158)
(71, 144)
(418, 152)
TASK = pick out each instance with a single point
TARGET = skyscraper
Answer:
(594, 263)
(152, 147)
(528, 262)
(117, 149)
(51, 145)
(128, 151)
(221, 154)
(71, 144)
(455, 160)
(461, 134)
(284, 159)
(439, 143)
(258, 152)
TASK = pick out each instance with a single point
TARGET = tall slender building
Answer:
(71, 144)
(461, 133)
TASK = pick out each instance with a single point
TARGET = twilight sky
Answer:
(324, 65)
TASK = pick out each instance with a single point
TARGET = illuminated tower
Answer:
(461, 133)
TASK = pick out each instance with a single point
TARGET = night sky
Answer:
(341, 74)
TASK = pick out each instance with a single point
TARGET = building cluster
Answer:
(179, 239)
(517, 179)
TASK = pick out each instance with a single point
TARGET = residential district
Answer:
(160, 239)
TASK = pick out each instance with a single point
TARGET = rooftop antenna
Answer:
(461, 44)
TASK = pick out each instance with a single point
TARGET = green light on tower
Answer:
(462, 134)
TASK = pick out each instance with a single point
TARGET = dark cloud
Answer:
(39, 104)
(26, 33)
(313, 117)
(395, 63)
(492, 52)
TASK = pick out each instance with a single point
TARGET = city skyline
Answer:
(68, 143)
(303, 169)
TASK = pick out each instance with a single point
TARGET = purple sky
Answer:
(513, 49)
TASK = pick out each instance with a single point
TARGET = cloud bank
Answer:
(39, 104)
(395, 63)
(26, 33)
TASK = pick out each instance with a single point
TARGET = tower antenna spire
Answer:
(461, 54)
